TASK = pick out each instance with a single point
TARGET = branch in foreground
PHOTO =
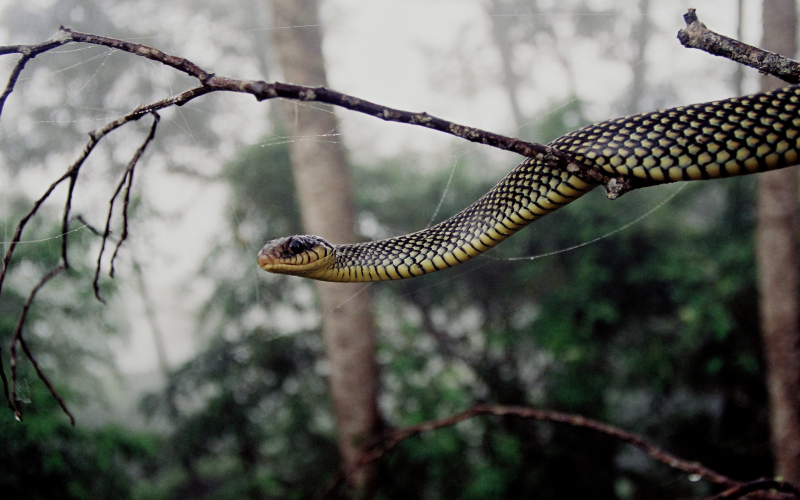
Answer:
(391, 440)
(697, 36)
(262, 90)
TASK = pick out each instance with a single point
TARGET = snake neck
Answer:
(529, 192)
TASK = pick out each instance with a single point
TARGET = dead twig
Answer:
(17, 338)
(5, 388)
(126, 182)
(28, 52)
(697, 36)
(394, 438)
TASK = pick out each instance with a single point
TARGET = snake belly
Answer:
(717, 139)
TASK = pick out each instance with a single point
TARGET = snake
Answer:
(730, 137)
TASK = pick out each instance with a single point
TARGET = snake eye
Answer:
(296, 246)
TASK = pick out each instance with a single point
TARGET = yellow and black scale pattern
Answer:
(702, 141)
(528, 192)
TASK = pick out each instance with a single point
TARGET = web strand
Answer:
(607, 235)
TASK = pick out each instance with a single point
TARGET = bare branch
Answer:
(392, 439)
(12, 80)
(5, 390)
(179, 63)
(24, 220)
(28, 52)
(765, 485)
(263, 90)
(697, 36)
(17, 338)
(46, 381)
(58, 39)
(90, 227)
(127, 182)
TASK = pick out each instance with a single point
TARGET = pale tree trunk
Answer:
(323, 184)
(510, 82)
(640, 36)
(776, 252)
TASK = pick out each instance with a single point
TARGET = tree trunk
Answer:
(640, 36)
(323, 183)
(776, 252)
(500, 27)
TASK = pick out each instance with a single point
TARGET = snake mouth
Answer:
(266, 258)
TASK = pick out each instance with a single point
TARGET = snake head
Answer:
(303, 255)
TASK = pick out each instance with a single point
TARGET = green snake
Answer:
(724, 138)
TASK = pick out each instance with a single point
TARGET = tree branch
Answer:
(765, 485)
(262, 90)
(697, 36)
(394, 438)
(17, 338)
(5, 389)
(127, 182)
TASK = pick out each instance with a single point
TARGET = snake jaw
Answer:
(302, 255)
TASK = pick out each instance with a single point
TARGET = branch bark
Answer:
(697, 36)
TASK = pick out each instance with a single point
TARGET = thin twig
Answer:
(44, 379)
(73, 179)
(28, 52)
(12, 80)
(94, 137)
(35, 208)
(90, 227)
(126, 181)
(11, 405)
(16, 338)
(128, 185)
(263, 90)
(697, 36)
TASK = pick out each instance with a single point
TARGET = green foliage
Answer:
(44, 457)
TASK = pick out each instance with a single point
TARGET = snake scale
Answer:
(737, 136)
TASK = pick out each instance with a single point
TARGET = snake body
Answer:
(711, 140)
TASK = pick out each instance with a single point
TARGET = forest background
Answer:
(203, 377)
